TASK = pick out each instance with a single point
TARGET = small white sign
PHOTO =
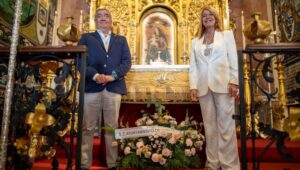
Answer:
(141, 131)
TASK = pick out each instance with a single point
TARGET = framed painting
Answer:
(157, 28)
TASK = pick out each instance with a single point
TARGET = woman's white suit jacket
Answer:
(217, 70)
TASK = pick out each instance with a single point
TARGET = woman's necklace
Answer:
(208, 45)
(208, 49)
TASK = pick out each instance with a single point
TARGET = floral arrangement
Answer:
(177, 147)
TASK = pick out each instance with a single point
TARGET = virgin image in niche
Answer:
(157, 42)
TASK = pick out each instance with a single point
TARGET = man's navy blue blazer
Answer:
(117, 59)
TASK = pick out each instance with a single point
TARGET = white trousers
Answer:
(221, 143)
(96, 105)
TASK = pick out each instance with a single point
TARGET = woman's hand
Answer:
(233, 90)
(194, 95)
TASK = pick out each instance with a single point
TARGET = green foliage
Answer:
(131, 160)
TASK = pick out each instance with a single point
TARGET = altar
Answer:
(169, 83)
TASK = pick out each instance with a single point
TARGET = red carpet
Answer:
(272, 155)
(271, 160)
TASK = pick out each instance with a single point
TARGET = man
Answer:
(108, 62)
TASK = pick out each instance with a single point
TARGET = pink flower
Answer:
(127, 150)
(199, 144)
(139, 152)
(193, 151)
(177, 136)
(172, 140)
(163, 133)
(188, 142)
(162, 161)
(155, 135)
(155, 116)
(173, 122)
(187, 152)
(139, 144)
(147, 154)
(156, 141)
(155, 157)
(149, 122)
(167, 117)
(166, 152)
(138, 123)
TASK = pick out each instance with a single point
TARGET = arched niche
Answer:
(158, 37)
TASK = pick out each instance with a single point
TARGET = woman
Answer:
(214, 81)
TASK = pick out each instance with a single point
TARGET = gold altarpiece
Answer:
(163, 74)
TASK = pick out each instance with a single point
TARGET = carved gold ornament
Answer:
(68, 32)
(37, 120)
(257, 30)
(21, 146)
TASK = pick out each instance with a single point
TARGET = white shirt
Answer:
(105, 39)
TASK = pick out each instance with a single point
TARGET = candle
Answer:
(80, 21)
(135, 38)
(243, 36)
(54, 36)
(135, 33)
(184, 36)
(276, 26)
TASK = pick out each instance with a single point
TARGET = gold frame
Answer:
(128, 14)
(143, 16)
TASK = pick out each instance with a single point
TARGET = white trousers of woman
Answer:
(221, 142)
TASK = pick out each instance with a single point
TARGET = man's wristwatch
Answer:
(114, 75)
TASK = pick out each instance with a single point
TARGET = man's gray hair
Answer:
(102, 8)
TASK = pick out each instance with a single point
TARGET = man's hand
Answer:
(100, 78)
(104, 79)
(108, 78)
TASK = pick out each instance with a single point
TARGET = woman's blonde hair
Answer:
(218, 25)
